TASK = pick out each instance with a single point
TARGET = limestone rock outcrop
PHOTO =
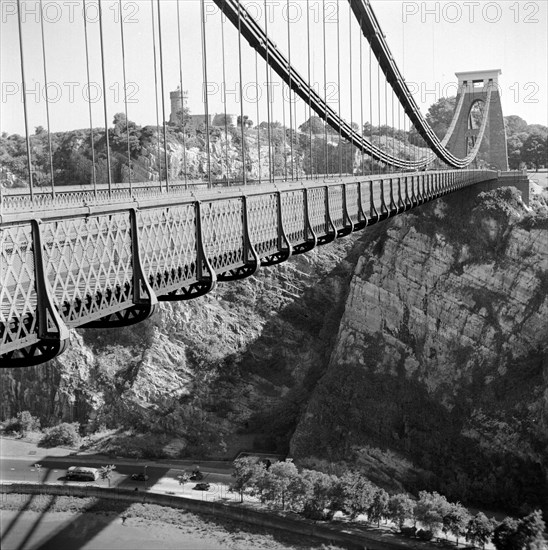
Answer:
(441, 352)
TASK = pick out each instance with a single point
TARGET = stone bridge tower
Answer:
(474, 85)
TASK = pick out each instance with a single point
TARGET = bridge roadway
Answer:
(85, 259)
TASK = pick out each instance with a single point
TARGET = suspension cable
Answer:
(268, 99)
(156, 94)
(379, 109)
(339, 85)
(257, 38)
(92, 136)
(290, 104)
(182, 92)
(310, 84)
(125, 96)
(393, 130)
(23, 81)
(326, 170)
(371, 107)
(362, 131)
(258, 114)
(47, 99)
(351, 91)
(387, 167)
(109, 174)
(284, 131)
(163, 93)
(224, 94)
(244, 167)
(294, 135)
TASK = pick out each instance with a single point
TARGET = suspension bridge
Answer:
(104, 253)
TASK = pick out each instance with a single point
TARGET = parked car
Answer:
(81, 473)
(139, 477)
(201, 487)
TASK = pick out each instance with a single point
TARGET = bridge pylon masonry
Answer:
(474, 85)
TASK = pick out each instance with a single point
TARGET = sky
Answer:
(430, 41)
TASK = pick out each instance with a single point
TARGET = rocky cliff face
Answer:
(188, 155)
(416, 349)
(199, 370)
(441, 353)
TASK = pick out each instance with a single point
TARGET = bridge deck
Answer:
(79, 258)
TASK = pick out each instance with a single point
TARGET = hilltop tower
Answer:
(178, 100)
(474, 85)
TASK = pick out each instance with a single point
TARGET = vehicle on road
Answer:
(196, 475)
(139, 477)
(201, 487)
(82, 473)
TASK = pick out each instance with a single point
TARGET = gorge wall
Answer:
(416, 349)
(441, 353)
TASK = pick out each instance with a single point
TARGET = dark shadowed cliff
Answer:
(441, 353)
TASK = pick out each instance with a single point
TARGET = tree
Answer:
(247, 470)
(400, 508)
(38, 468)
(182, 118)
(455, 521)
(119, 135)
(183, 477)
(379, 507)
(514, 125)
(534, 151)
(61, 435)
(480, 529)
(273, 125)
(505, 535)
(531, 531)
(514, 145)
(440, 115)
(276, 486)
(314, 124)
(248, 123)
(106, 472)
(357, 494)
(320, 496)
(27, 423)
(430, 510)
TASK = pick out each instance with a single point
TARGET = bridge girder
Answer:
(172, 249)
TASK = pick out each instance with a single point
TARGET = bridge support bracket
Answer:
(384, 211)
(362, 216)
(312, 239)
(35, 354)
(52, 331)
(252, 262)
(400, 203)
(125, 318)
(286, 250)
(348, 224)
(144, 299)
(332, 232)
(408, 202)
(374, 216)
(207, 278)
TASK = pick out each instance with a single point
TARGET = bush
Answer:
(408, 531)
(424, 535)
(62, 435)
(11, 426)
(23, 423)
